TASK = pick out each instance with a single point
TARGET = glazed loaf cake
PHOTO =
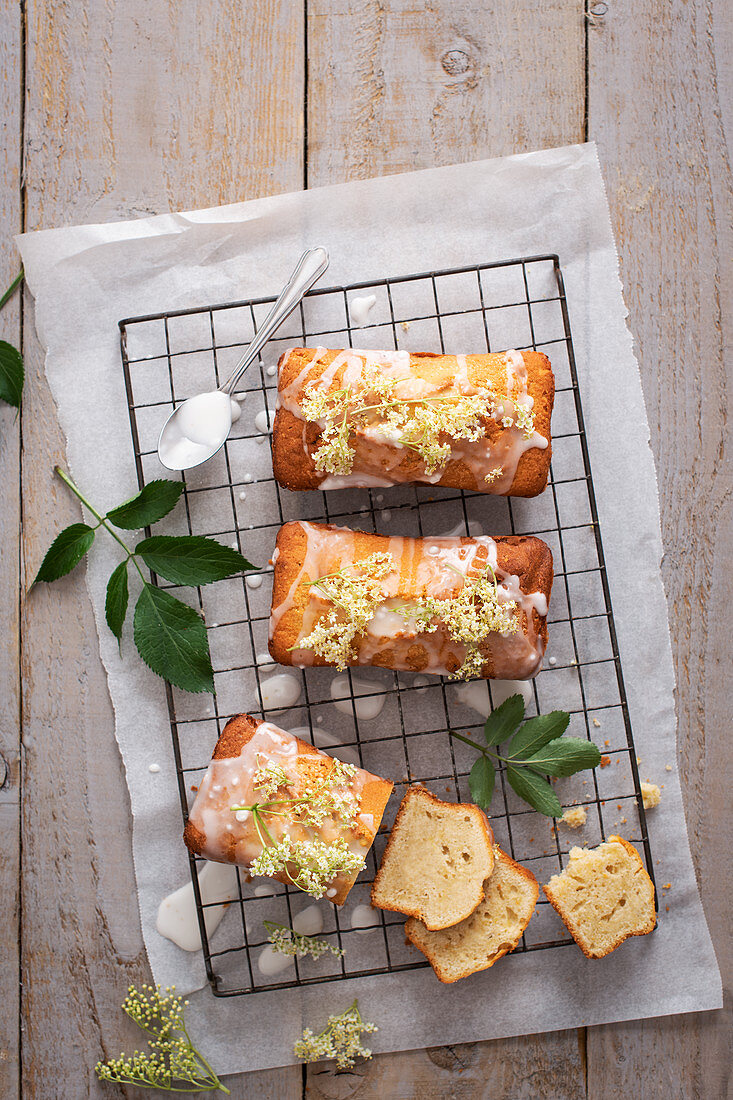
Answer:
(257, 762)
(350, 418)
(455, 606)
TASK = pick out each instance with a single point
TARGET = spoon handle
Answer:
(309, 269)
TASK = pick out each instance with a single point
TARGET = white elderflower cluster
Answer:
(354, 598)
(524, 419)
(472, 614)
(269, 778)
(316, 863)
(475, 611)
(339, 412)
(340, 1039)
(286, 941)
(493, 475)
(424, 424)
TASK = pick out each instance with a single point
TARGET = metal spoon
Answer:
(199, 427)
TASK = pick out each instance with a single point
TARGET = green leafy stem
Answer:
(169, 635)
(537, 749)
(12, 372)
(172, 1064)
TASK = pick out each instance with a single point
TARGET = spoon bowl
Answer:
(200, 426)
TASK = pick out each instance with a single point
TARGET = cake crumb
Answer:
(574, 817)
(596, 723)
(405, 326)
(650, 795)
(668, 767)
(667, 886)
(605, 761)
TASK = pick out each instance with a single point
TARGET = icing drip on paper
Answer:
(177, 919)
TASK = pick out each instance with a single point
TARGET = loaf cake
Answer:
(324, 813)
(436, 860)
(604, 895)
(493, 929)
(456, 606)
(350, 418)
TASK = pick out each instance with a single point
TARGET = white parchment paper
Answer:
(86, 278)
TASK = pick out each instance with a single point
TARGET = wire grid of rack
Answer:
(518, 303)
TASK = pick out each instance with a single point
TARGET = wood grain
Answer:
(131, 108)
(395, 86)
(10, 222)
(665, 151)
(137, 108)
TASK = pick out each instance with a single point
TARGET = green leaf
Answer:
(115, 605)
(154, 501)
(481, 782)
(190, 559)
(65, 552)
(12, 374)
(171, 639)
(535, 790)
(565, 756)
(504, 720)
(537, 732)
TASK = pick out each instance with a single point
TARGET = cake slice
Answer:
(492, 930)
(281, 808)
(604, 895)
(436, 861)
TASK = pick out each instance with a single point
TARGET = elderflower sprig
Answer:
(423, 424)
(311, 864)
(173, 1063)
(468, 617)
(269, 778)
(355, 591)
(316, 863)
(340, 1039)
(287, 941)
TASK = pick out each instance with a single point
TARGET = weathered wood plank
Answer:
(10, 222)
(131, 108)
(392, 87)
(665, 153)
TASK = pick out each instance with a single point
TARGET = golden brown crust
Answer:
(649, 927)
(524, 556)
(414, 928)
(295, 469)
(235, 735)
(463, 806)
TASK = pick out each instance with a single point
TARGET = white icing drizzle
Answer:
(475, 694)
(325, 739)
(177, 919)
(364, 918)
(381, 460)
(366, 704)
(265, 890)
(271, 962)
(421, 569)
(280, 691)
(230, 837)
(360, 308)
(309, 921)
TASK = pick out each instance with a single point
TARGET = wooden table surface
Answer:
(119, 109)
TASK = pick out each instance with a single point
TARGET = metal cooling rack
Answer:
(520, 303)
